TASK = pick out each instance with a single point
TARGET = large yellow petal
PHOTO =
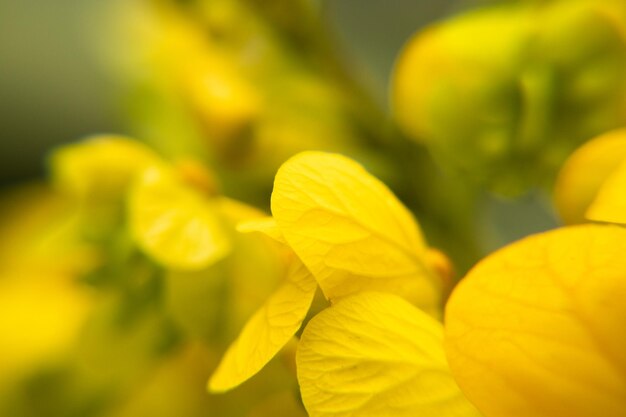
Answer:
(538, 328)
(350, 230)
(175, 224)
(269, 329)
(374, 354)
(584, 172)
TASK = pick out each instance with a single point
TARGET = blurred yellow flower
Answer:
(502, 95)
(172, 211)
(177, 224)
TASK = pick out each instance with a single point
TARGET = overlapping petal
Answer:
(269, 329)
(585, 171)
(350, 231)
(175, 224)
(374, 354)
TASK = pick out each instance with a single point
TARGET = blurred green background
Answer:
(54, 88)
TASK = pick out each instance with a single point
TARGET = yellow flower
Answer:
(507, 109)
(174, 214)
(533, 330)
(171, 210)
(350, 235)
(537, 323)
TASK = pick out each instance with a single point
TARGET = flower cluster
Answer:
(147, 279)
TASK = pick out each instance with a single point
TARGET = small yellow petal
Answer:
(175, 224)
(584, 172)
(269, 329)
(610, 202)
(237, 212)
(267, 226)
(537, 329)
(374, 354)
(350, 230)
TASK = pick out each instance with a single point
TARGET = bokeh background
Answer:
(54, 87)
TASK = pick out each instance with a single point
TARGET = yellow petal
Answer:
(610, 202)
(237, 212)
(101, 168)
(266, 226)
(537, 329)
(225, 101)
(374, 354)
(175, 224)
(584, 172)
(351, 231)
(40, 317)
(443, 56)
(269, 329)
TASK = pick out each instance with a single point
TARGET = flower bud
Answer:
(505, 93)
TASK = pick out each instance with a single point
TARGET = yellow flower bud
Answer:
(505, 93)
